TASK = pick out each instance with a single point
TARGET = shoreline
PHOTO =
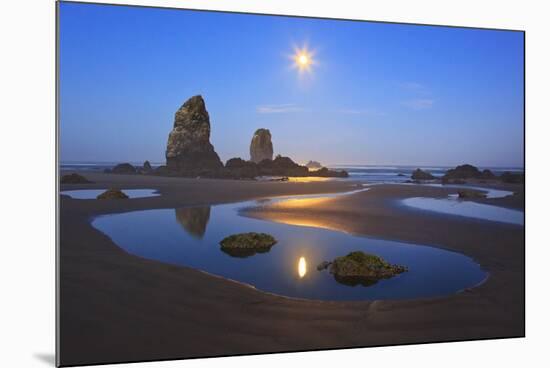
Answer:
(99, 280)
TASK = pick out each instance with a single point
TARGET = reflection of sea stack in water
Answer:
(261, 147)
(194, 219)
(189, 151)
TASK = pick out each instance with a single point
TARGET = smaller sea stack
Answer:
(261, 147)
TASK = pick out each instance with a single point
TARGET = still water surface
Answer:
(190, 236)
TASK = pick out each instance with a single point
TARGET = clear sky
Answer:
(376, 93)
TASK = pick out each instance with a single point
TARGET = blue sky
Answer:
(377, 93)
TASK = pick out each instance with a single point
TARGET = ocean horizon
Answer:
(366, 172)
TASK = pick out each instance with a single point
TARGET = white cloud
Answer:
(419, 103)
(278, 109)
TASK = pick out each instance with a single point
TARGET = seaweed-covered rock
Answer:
(470, 193)
(74, 178)
(247, 244)
(363, 268)
(420, 174)
(124, 168)
(113, 194)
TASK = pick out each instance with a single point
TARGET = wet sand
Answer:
(119, 307)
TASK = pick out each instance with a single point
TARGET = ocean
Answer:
(402, 173)
(367, 173)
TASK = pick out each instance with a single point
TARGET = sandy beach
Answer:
(120, 307)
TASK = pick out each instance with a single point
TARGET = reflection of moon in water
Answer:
(193, 219)
(302, 267)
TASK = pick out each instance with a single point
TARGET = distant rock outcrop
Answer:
(327, 173)
(465, 171)
(487, 174)
(147, 168)
(314, 165)
(419, 174)
(512, 178)
(189, 151)
(261, 147)
(282, 166)
(124, 168)
(238, 168)
(74, 178)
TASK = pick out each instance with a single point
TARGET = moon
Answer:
(303, 59)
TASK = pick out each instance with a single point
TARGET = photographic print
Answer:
(234, 183)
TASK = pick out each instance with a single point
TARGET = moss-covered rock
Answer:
(247, 244)
(113, 194)
(363, 268)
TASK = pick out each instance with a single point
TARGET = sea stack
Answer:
(261, 147)
(189, 151)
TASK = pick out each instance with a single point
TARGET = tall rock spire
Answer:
(189, 151)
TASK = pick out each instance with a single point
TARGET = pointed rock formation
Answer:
(261, 147)
(189, 151)
(147, 167)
